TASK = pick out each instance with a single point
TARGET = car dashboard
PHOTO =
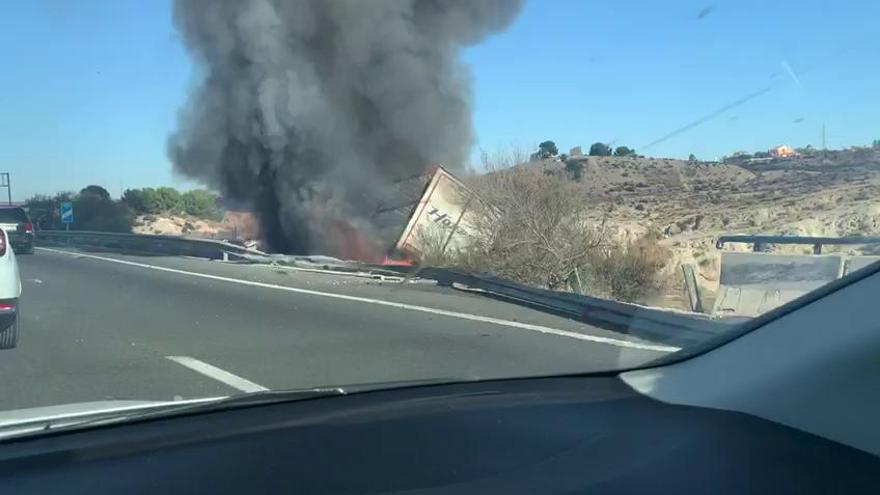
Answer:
(553, 435)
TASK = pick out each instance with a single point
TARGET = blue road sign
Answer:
(67, 213)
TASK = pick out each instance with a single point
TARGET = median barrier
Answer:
(146, 244)
(754, 283)
(858, 262)
(654, 324)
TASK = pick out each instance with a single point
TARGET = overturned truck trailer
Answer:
(430, 208)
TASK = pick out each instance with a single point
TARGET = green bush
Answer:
(94, 212)
(136, 199)
(600, 149)
(167, 200)
(201, 203)
(44, 210)
(547, 149)
(96, 191)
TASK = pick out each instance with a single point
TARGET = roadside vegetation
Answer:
(94, 208)
(536, 227)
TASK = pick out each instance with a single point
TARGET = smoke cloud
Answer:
(305, 107)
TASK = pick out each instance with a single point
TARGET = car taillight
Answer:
(3, 242)
(29, 228)
(7, 307)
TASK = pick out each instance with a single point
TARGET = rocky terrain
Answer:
(234, 226)
(833, 193)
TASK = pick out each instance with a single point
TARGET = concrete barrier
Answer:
(754, 283)
(858, 262)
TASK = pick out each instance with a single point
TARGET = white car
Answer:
(10, 293)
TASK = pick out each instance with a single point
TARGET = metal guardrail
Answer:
(656, 325)
(145, 244)
(760, 242)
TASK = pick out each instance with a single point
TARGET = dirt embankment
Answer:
(690, 204)
(234, 226)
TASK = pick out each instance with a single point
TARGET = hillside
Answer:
(234, 226)
(691, 203)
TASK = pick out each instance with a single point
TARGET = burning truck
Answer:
(310, 112)
(437, 203)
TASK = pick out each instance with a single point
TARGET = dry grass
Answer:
(538, 227)
(629, 271)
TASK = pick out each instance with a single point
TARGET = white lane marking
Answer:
(411, 307)
(216, 373)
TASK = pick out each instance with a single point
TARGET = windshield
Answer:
(13, 215)
(236, 197)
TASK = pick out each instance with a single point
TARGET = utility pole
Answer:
(5, 182)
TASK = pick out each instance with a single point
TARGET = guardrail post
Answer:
(695, 299)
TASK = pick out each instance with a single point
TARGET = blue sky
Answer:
(90, 89)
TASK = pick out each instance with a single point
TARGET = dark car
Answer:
(19, 229)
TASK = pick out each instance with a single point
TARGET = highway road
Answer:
(103, 326)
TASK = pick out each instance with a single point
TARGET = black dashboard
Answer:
(552, 435)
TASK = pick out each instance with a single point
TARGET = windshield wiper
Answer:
(167, 409)
(235, 401)
(261, 398)
(26, 428)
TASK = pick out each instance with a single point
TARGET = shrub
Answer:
(547, 149)
(600, 149)
(149, 201)
(94, 212)
(527, 225)
(628, 271)
(201, 203)
(575, 169)
(624, 151)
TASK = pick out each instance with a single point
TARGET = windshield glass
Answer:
(13, 215)
(237, 197)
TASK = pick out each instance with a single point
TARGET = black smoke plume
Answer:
(305, 107)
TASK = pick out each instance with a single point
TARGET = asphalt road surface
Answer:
(102, 326)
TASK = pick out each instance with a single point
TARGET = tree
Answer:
(600, 149)
(692, 157)
(876, 144)
(200, 203)
(45, 211)
(136, 199)
(624, 151)
(547, 149)
(168, 200)
(96, 191)
(93, 212)
(154, 201)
